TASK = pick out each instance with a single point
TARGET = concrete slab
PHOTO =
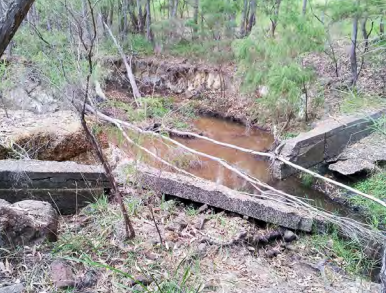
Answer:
(67, 185)
(207, 192)
(324, 142)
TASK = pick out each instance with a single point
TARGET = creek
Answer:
(239, 135)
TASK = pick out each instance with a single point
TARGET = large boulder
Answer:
(27, 222)
(56, 136)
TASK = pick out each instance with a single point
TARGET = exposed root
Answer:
(242, 235)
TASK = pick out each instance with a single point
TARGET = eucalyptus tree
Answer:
(358, 12)
(12, 13)
(248, 17)
(276, 62)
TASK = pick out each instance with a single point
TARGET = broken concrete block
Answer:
(67, 185)
(207, 192)
(27, 222)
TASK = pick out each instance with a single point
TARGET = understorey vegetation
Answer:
(295, 61)
(374, 183)
(289, 63)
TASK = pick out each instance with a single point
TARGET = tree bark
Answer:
(365, 34)
(304, 8)
(383, 270)
(125, 23)
(353, 51)
(149, 33)
(170, 8)
(140, 17)
(252, 16)
(12, 13)
(275, 18)
(175, 8)
(243, 18)
(195, 19)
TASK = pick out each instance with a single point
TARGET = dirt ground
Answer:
(201, 251)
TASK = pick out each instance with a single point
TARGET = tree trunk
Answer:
(195, 18)
(252, 16)
(353, 51)
(364, 33)
(243, 18)
(304, 8)
(170, 8)
(149, 33)
(383, 271)
(133, 17)
(12, 13)
(175, 8)
(275, 18)
(381, 28)
(8, 50)
(141, 27)
(125, 23)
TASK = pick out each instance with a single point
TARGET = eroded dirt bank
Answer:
(211, 89)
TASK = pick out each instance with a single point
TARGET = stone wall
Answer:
(324, 142)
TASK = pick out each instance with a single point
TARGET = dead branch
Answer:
(383, 270)
(151, 153)
(156, 225)
(130, 74)
(118, 195)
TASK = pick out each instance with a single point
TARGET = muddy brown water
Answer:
(239, 135)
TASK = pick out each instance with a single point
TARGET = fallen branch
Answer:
(130, 74)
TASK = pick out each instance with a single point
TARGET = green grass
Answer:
(150, 107)
(191, 211)
(375, 185)
(289, 135)
(347, 254)
(156, 107)
(379, 125)
(94, 246)
(178, 281)
(307, 179)
(354, 102)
